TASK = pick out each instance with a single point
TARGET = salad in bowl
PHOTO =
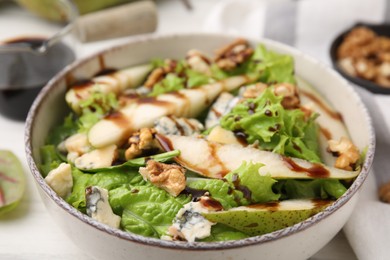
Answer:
(203, 148)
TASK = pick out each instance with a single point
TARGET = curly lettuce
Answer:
(264, 120)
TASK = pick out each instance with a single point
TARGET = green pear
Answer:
(215, 160)
(12, 181)
(268, 217)
(44, 8)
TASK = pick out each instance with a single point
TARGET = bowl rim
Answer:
(195, 246)
(369, 85)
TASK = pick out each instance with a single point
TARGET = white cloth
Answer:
(311, 25)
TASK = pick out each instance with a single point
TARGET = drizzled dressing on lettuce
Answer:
(226, 166)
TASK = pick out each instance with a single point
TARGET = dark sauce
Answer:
(178, 125)
(296, 147)
(165, 143)
(268, 113)
(321, 203)
(245, 191)
(241, 137)
(216, 112)
(82, 84)
(213, 150)
(251, 108)
(105, 71)
(274, 128)
(23, 74)
(326, 133)
(315, 171)
(335, 115)
(195, 193)
(118, 118)
(271, 206)
(211, 203)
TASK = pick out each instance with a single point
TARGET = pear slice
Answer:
(143, 112)
(116, 83)
(264, 218)
(12, 181)
(215, 160)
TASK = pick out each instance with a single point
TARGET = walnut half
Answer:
(169, 177)
(159, 74)
(141, 142)
(288, 91)
(347, 153)
(233, 54)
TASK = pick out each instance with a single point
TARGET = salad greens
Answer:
(147, 208)
(276, 129)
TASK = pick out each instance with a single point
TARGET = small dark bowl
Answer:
(380, 29)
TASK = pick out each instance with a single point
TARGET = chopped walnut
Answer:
(365, 55)
(141, 142)
(365, 69)
(384, 192)
(198, 62)
(290, 95)
(158, 74)
(288, 91)
(169, 177)
(234, 54)
(357, 37)
(347, 153)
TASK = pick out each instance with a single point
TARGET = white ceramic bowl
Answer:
(297, 242)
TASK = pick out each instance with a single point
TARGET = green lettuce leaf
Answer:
(221, 232)
(310, 189)
(106, 180)
(146, 210)
(95, 108)
(282, 131)
(260, 186)
(264, 65)
(50, 159)
(272, 66)
(196, 79)
(220, 190)
(60, 133)
(170, 83)
(240, 187)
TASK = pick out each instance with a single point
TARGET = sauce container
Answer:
(32, 51)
